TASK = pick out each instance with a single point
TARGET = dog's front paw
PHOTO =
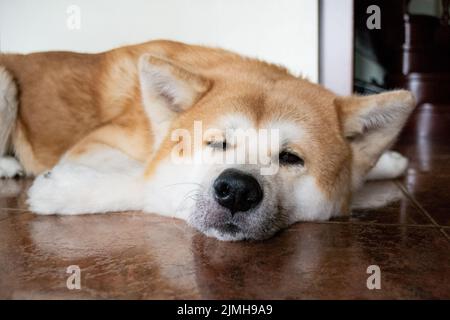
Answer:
(10, 168)
(66, 189)
(398, 163)
(44, 194)
(56, 191)
(391, 165)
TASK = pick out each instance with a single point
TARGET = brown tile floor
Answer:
(134, 255)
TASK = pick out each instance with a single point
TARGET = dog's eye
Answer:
(290, 158)
(217, 144)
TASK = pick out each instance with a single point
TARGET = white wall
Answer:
(280, 31)
(336, 45)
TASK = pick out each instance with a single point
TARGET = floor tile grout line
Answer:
(417, 204)
(9, 216)
(446, 235)
(14, 209)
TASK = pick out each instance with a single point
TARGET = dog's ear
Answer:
(371, 124)
(166, 84)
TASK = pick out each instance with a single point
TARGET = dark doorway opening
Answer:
(410, 49)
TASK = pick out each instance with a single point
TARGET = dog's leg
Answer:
(92, 177)
(9, 166)
(391, 165)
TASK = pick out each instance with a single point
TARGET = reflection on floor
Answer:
(144, 256)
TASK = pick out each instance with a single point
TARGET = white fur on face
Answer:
(172, 190)
(289, 131)
(310, 202)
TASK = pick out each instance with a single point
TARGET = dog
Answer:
(113, 132)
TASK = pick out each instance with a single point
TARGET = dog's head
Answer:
(243, 148)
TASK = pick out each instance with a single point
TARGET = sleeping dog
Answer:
(237, 147)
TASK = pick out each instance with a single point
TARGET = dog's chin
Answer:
(216, 221)
(234, 233)
(226, 233)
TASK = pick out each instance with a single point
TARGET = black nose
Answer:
(237, 191)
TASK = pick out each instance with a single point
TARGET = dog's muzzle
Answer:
(238, 205)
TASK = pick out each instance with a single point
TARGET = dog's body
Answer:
(104, 125)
